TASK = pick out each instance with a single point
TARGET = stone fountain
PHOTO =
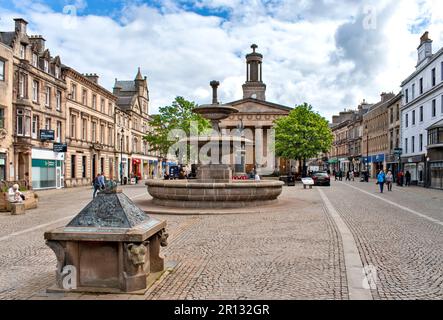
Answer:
(214, 187)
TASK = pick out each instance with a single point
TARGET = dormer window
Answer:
(35, 60)
(57, 72)
(22, 51)
(46, 66)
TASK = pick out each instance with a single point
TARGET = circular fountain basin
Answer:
(238, 194)
(215, 112)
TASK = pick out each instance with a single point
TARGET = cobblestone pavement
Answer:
(294, 253)
(288, 253)
(26, 263)
(405, 249)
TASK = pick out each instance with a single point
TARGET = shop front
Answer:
(393, 164)
(435, 155)
(375, 163)
(416, 167)
(355, 163)
(333, 162)
(136, 168)
(344, 164)
(153, 169)
(47, 169)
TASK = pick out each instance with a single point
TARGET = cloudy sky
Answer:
(329, 53)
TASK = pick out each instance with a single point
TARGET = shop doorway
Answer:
(94, 166)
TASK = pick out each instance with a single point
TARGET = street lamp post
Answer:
(121, 156)
(240, 167)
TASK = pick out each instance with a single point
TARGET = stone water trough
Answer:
(111, 246)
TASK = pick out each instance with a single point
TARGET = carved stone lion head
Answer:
(137, 253)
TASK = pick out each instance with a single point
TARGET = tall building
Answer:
(375, 134)
(347, 150)
(132, 120)
(256, 116)
(422, 118)
(393, 159)
(90, 129)
(38, 109)
(6, 123)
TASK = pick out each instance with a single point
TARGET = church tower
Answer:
(254, 86)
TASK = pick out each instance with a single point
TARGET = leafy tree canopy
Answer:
(176, 117)
(303, 134)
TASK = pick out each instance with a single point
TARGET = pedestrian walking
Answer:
(96, 185)
(400, 178)
(348, 176)
(351, 176)
(389, 180)
(102, 181)
(408, 179)
(381, 179)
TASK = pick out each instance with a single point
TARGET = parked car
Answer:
(322, 179)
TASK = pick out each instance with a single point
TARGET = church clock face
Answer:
(254, 96)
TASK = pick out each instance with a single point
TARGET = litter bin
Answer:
(125, 180)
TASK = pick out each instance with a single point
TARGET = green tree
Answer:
(302, 135)
(177, 116)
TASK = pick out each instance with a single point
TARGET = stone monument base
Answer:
(17, 209)
(214, 173)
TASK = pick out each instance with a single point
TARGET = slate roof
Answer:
(126, 85)
(124, 101)
(7, 37)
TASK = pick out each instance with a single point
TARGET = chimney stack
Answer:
(20, 25)
(39, 42)
(425, 48)
(93, 77)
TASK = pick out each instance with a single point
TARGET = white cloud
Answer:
(314, 51)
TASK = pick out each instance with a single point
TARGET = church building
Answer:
(256, 117)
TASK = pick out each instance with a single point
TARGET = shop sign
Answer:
(378, 158)
(40, 163)
(60, 147)
(47, 135)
